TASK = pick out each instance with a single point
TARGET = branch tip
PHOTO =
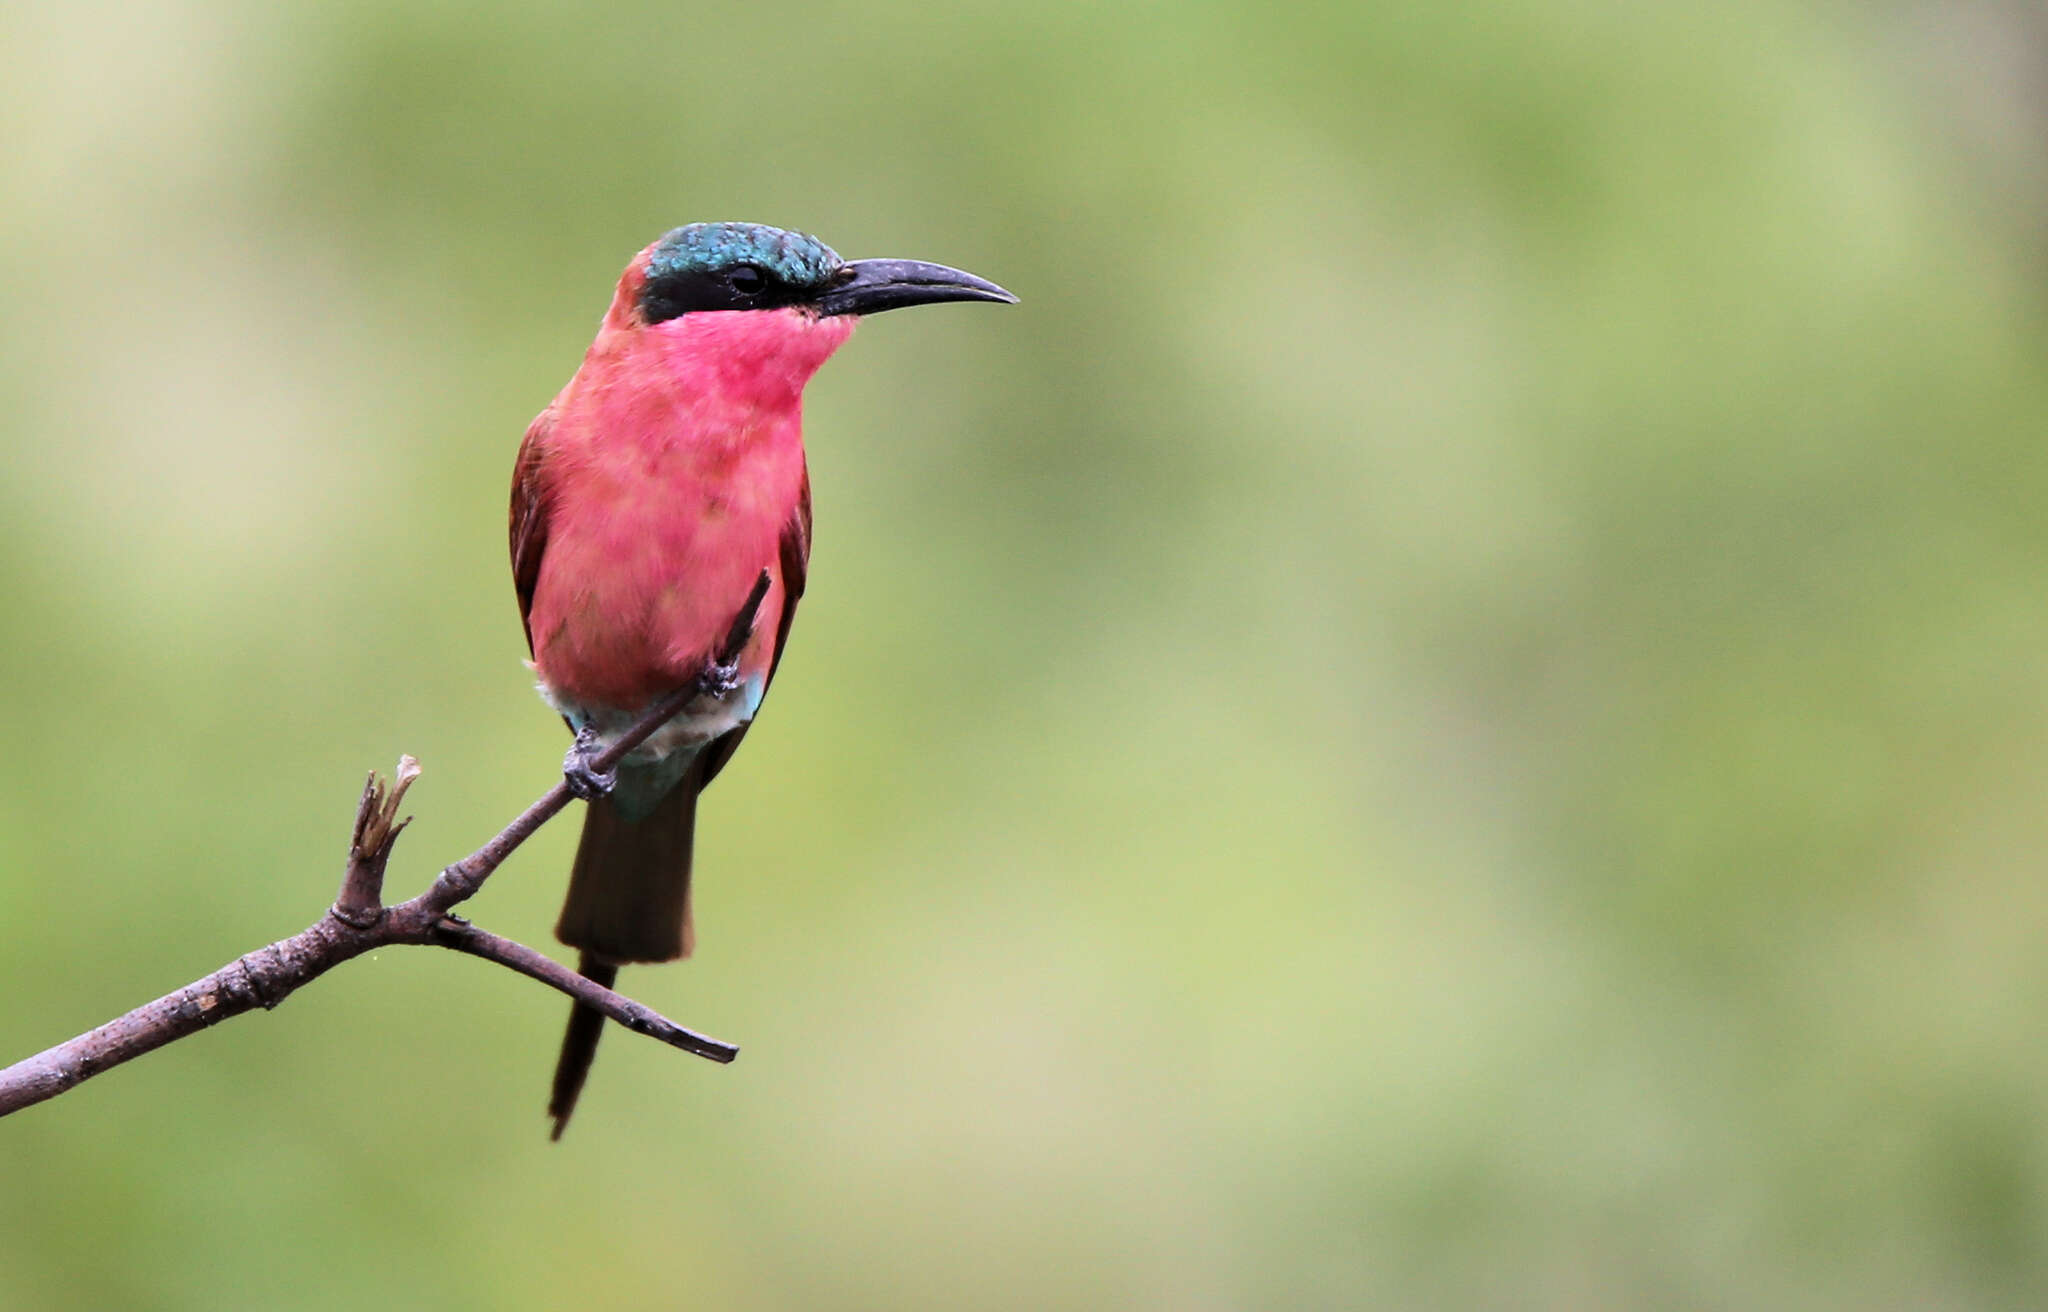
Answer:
(377, 823)
(360, 904)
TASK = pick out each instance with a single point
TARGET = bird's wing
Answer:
(795, 552)
(530, 515)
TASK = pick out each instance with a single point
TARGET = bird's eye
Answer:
(747, 280)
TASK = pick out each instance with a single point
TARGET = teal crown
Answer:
(793, 258)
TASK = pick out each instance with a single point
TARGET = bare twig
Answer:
(359, 922)
(455, 932)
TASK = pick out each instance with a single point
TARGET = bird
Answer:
(651, 500)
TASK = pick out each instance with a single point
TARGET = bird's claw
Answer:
(579, 768)
(718, 679)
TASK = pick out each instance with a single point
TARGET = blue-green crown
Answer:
(793, 258)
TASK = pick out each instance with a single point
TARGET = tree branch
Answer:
(358, 922)
(455, 932)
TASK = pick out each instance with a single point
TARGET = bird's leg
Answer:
(579, 770)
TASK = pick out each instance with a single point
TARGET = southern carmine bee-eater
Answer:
(647, 501)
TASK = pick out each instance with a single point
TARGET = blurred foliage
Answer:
(1450, 714)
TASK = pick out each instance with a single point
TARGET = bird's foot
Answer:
(719, 679)
(579, 770)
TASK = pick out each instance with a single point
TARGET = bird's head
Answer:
(746, 297)
(722, 267)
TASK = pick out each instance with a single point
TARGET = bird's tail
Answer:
(579, 1045)
(629, 900)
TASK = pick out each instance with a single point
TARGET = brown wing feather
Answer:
(529, 520)
(795, 552)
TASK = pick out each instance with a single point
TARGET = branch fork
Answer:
(359, 922)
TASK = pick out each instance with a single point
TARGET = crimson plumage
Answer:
(647, 500)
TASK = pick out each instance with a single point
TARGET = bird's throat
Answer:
(758, 358)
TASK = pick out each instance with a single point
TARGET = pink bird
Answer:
(647, 500)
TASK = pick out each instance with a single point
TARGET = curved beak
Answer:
(872, 286)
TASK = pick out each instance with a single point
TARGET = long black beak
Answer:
(872, 286)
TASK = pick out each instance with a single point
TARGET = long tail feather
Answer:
(629, 891)
(579, 1045)
(629, 900)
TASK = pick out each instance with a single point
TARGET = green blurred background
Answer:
(1450, 714)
